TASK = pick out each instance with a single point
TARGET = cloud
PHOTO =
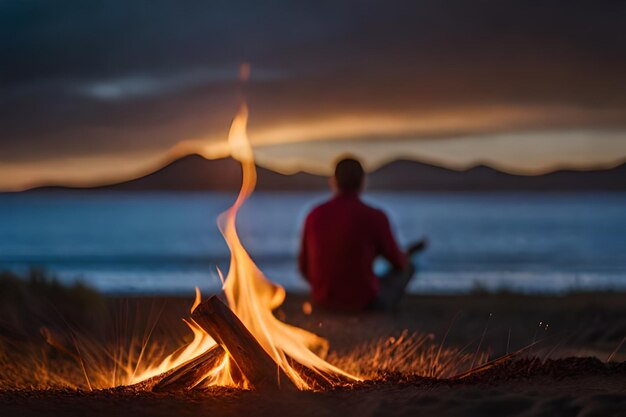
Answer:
(527, 153)
(82, 80)
(149, 85)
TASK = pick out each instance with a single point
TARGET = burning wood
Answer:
(253, 364)
(191, 373)
(230, 333)
(319, 379)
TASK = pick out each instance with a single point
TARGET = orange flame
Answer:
(250, 295)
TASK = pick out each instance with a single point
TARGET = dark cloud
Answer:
(112, 76)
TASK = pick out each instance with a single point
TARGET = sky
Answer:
(95, 92)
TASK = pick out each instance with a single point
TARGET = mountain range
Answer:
(195, 173)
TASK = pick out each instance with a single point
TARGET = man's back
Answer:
(341, 239)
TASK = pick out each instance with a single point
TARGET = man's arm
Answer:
(387, 246)
(302, 255)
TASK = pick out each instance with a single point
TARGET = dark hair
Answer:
(349, 175)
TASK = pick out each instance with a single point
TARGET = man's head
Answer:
(349, 176)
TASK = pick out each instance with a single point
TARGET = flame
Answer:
(251, 296)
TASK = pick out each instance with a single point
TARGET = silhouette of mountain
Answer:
(411, 175)
(195, 173)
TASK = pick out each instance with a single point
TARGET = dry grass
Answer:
(86, 346)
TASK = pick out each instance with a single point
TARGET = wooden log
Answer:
(318, 379)
(191, 373)
(229, 332)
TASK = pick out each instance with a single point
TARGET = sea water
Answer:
(169, 242)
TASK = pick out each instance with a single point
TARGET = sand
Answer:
(586, 328)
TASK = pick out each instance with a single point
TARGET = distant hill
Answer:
(411, 175)
(195, 173)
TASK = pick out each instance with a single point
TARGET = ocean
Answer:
(169, 242)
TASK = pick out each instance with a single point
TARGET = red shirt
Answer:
(340, 241)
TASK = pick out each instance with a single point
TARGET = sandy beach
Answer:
(565, 373)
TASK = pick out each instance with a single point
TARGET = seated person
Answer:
(341, 239)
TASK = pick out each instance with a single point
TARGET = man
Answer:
(340, 241)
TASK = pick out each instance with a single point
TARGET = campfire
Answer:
(241, 343)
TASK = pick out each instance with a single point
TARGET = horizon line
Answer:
(170, 158)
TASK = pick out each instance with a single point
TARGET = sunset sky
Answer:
(94, 92)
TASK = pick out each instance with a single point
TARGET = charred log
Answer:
(191, 373)
(253, 362)
(318, 379)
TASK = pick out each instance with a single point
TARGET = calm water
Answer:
(167, 242)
